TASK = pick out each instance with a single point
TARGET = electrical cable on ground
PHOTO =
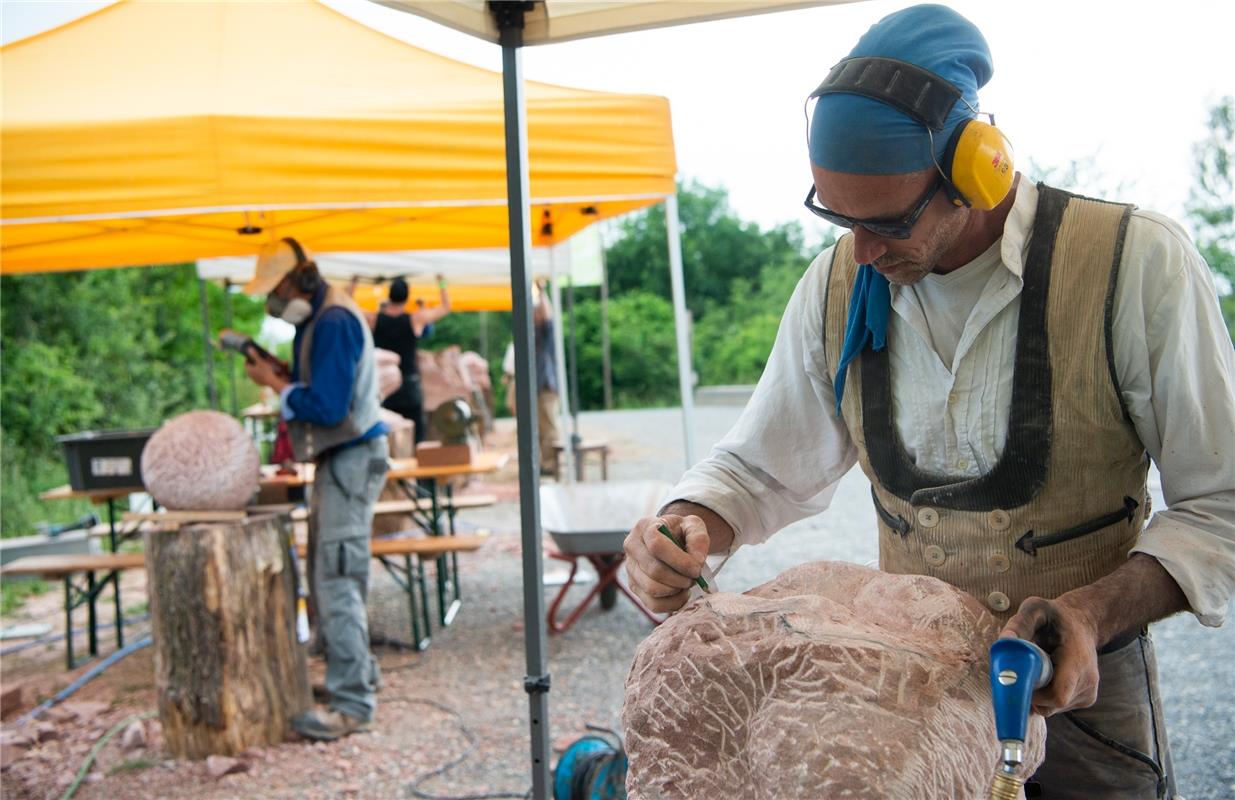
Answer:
(55, 637)
(414, 786)
(94, 751)
(90, 675)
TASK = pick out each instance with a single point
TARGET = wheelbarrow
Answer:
(589, 521)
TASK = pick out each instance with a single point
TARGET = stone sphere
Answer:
(201, 461)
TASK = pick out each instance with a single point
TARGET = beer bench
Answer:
(457, 503)
(410, 574)
(76, 595)
(586, 447)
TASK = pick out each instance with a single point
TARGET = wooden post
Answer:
(228, 669)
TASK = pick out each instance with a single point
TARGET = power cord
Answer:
(414, 786)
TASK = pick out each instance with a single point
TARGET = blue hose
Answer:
(88, 676)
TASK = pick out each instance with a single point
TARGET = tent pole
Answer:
(559, 348)
(207, 350)
(605, 364)
(536, 678)
(575, 440)
(231, 362)
(484, 335)
(681, 324)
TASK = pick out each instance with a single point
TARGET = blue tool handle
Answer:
(1018, 667)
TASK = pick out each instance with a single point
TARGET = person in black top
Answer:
(396, 330)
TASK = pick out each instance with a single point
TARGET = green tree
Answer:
(643, 351)
(106, 349)
(1211, 204)
(718, 247)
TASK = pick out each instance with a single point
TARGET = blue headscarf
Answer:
(856, 134)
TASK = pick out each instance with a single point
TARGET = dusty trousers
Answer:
(1117, 748)
(550, 436)
(345, 489)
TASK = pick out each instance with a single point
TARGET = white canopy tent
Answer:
(575, 260)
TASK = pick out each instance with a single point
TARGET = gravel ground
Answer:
(472, 673)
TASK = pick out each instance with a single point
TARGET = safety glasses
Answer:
(886, 228)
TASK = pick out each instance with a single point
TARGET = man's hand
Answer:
(264, 372)
(1069, 635)
(1074, 625)
(660, 572)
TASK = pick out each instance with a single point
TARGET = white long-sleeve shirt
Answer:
(1174, 362)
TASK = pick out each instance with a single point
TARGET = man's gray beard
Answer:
(904, 278)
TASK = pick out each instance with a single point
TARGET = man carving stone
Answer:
(1002, 361)
(330, 400)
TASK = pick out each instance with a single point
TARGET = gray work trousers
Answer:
(1116, 748)
(345, 488)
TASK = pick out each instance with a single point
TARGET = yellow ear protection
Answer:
(304, 275)
(977, 165)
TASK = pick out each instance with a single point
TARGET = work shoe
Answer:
(326, 725)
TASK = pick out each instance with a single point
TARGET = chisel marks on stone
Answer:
(831, 681)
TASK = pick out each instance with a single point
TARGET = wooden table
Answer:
(439, 520)
(89, 594)
(433, 484)
(65, 568)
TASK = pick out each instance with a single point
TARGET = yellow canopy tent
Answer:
(513, 25)
(156, 132)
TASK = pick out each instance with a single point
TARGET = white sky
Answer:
(1125, 85)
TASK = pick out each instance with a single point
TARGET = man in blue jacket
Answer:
(330, 402)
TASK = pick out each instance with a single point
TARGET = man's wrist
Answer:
(1141, 591)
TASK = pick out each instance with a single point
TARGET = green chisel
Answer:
(700, 582)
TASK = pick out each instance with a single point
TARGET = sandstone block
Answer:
(133, 737)
(832, 680)
(218, 766)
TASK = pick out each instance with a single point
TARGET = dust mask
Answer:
(294, 311)
(297, 311)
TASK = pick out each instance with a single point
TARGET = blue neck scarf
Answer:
(869, 307)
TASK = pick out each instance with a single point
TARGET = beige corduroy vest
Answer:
(1067, 498)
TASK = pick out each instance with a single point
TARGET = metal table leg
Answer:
(115, 548)
(91, 594)
(424, 594)
(454, 556)
(406, 578)
(68, 622)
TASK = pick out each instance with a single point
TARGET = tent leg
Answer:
(575, 439)
(606, 365)
(681, 324)
(536, 679)
(566, 466)
(231, 362)
(208, 351)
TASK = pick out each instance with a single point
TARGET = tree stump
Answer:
(228, 669)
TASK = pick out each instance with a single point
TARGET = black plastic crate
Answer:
(104, 459)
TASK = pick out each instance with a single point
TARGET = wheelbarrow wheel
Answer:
(608, 596)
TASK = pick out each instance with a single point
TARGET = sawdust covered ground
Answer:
(471, 676)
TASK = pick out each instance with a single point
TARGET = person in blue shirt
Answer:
(329, 399)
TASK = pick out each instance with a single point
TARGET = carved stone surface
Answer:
(201, 461)
(832, 680)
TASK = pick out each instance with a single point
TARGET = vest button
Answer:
(999, 519)
(928, 517)
(998, 601)
(999, 562)
(934, 555)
